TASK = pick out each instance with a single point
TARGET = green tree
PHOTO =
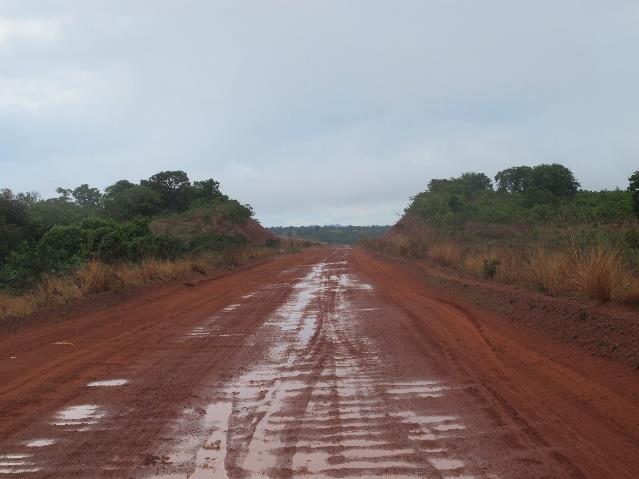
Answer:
(475, 183)
(87, 197)
(64, 194)
(118, 187)
(173, 187)
(207, 190)
(14, 223)
(514, 180)
(125, 202)
(554, 178)
(468, 184)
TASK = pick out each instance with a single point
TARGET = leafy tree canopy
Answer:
(173, 188)
(87, 197)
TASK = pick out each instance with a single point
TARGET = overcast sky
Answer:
(316, 112)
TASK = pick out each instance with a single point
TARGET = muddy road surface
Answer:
(326, 363)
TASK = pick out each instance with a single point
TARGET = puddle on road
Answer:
(40, 443)
(209, 457)
(449, 427)
(17, 464)
(108, 383)
(321, 411)
(85, 414)
(447, 464)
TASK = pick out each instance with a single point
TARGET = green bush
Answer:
(113, 247)
(63, 247)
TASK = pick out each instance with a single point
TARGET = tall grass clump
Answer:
(595, 269)
(447, 253)
(549, 271)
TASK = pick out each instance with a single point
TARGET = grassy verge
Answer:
(558, 262)
(95, 276)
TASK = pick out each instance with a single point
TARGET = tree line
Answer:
(332, 234)
(539, 193)
(56, 235)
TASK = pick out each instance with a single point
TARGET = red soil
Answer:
(328, 363)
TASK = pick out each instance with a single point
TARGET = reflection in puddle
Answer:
(79, 415)
(17, 464)
(108, 383)
(40, 443)
(209, 457)
(447, 464)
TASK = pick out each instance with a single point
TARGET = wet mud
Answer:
(323, 364)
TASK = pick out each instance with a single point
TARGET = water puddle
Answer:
(447, 464)
(209, 457)
(17, 464)
(449, 427)
(108, 383)
(40, 443)
(316, 411)
(82, 415)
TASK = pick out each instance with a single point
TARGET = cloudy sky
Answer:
(316, 112)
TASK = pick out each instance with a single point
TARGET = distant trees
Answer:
(335, 234)
(514, 180)
(555, 179)
(166, 191)
(468, 184)
(522, 193)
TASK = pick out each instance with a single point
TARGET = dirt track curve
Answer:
(326, 363)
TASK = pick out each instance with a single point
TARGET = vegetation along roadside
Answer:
(84, 241)
(531, 226)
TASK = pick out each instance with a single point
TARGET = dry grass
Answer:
(96, 277)
(447, 253)
(549, 271)
(474, 263)
(595, 272)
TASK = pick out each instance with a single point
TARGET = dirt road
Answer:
(327, 363)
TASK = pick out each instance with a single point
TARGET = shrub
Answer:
(113, 247)
(489, 268)
(63, 248)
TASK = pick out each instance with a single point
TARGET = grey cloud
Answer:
(316, 112)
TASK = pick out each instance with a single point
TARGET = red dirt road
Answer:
(326, 363)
